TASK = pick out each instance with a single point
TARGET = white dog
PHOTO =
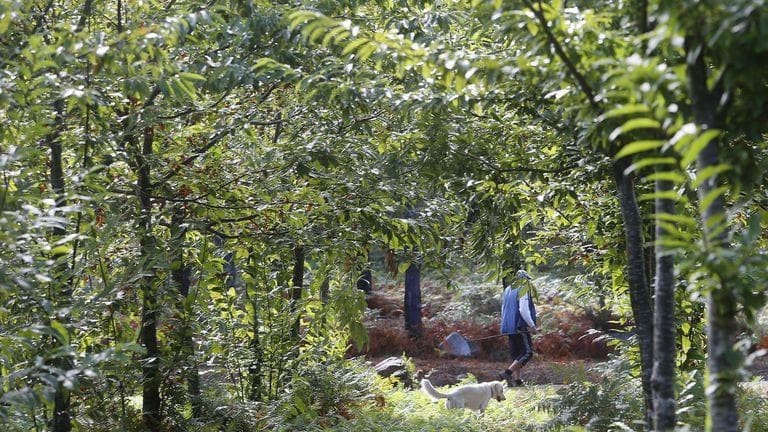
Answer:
(470, 396)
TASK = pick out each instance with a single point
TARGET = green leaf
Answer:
(60, 250)
(638, 147)
(754, 229)
(300, 404)
(685, 328)
(677, 219)
(190, 76)
(712, 196)
(335, 35)
(61, 331)
(366, 50)
(354, 46)
(708, 172)
(625, 110)
(5, 22)
(426, 70)
(668, 195)
(654, 161)
(298, 18)
(672, 176)
(670, 243)
(672, 230)
(402, 267)
(697, 145)
(634, 124)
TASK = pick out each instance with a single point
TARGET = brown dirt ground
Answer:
(449, 371)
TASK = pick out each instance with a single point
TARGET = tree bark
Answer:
(723, 361)
(150, 410)
(365, 281)
(255, 367)
(62, 421)
(639, 294)
(412, 301)
(325, 291)
(664, 325)
(180, 274)
(298, 285)
(254, 370)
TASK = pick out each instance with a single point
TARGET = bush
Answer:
(323, 393)
(751, 403)
(691, 401)
(612, 403)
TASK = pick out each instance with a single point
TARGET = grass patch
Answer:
(412, 410)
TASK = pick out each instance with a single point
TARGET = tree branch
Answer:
(580, 79)
(497, 168)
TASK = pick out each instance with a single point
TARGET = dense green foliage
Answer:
(191, 190)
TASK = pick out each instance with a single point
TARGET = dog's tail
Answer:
(428, 389)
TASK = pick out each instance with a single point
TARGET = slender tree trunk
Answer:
(298, 285)
(723, 361)
(255, 379)
(365, 281)
(664, 324)
(62, 421)
(639, 294)
(150, 410)
(412, 301)
(324, 290)
(180, 274)
(254, 370)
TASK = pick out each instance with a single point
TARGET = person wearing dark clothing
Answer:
(518, 322)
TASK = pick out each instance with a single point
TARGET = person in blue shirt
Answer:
(518, 322)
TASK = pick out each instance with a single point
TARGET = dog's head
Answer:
(497, 391)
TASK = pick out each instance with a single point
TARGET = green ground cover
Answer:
(412, 410)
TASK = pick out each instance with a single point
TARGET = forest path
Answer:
(442, 371)
(449, 371)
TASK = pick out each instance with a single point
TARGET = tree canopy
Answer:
(196, 187)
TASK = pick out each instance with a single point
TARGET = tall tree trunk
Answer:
(150, 410)
(664, 325)
(325, 290)
(639, 294)
(180, 274)
(412, 302)
(254, 370)
(298, 285)
(723, 361)
(62, 421)
(365, 281)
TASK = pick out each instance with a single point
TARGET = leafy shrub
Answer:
(323, 392)
(751, 403)
(598, 406)
(227, 415)
(691, 401)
